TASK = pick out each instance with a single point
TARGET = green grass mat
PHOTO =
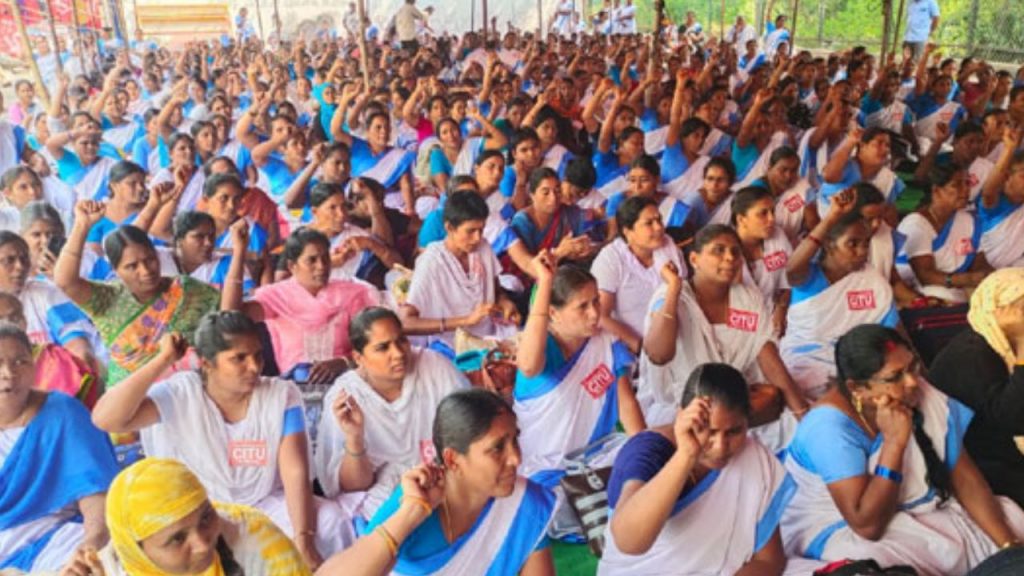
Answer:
(573, 559)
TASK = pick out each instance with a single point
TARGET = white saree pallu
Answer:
(348, 268)
(926, 126)
(812, 162)
(934, 538)
(390, 168)
(499, 544)
(887, 182)
(738, 342)
(10, 156)
(953, 248)
(57, 551)
(815, 322)
(1001, 243)
(398, 435)
(768, 274)
(789, 210)
(977, 174)
(571, 408)
(619, 272)
(614, 185)
(882, 252)
(466, 160)
(760, 166)
(719, 525)
(889, 118)
(556, 158)
(654, 141)
(91, 182)
(717, 144)
(689, 181)
(193, 190)
(441, 288)
(121, 137)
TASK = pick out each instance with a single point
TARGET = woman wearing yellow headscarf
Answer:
(983, 368)
(161, 523)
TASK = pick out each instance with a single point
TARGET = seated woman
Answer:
(56, 367)
(82, 167)
(182, 172)
(831, 294)
(697, 496)
(467, 511)
(613, 165)
(794, 211)
(20, 185)
(940, 256)
(713, 318)
(568, 365)
(254, 205)
(984, 368)
(862, 157)
(55, 467)
(766, 249)
(455, 155)
(683, 164)
(877, 462)
(249, 433)
(547, 225)
(455, 282)
(161, 522)
(999, 210)
(43, 229)
(51, 318)
(355, 253)
(378, 419)
(128, 202)
(628, 269)
(192, 252)
(644, 179)
(308, 314)
(133, 312)
(709, 203)
(759, 136)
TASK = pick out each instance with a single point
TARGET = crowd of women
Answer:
(267, 311)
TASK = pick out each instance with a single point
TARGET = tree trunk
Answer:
(886, 24)
(792, 28)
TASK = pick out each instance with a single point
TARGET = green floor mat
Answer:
(911, 197)
(573, 559)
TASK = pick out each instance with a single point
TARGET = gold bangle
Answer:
(389, 540)
(422, 503)
(355, 454)
(1009, 544)
(667, 315)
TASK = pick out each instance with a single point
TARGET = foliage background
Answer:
(992, 29)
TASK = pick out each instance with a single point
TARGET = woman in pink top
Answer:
(25, 107)
(308, 314)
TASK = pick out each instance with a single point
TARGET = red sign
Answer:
(742, 320)
(247, 453)
(794, 203)
(10, 39)
(597, 382)
(775, 261)
(860, 300)
(964, 247)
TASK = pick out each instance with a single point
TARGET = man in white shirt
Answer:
(405, 25)
(351, 21)
(627, 18)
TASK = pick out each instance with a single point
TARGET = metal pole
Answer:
(472, 15)
(721, 27)
(540, 19)
(53, 36)
(485, 19)
(886, 23)
(26, 47)
(792, 29)
(277, 23)
(821, 22)
(896, 28)
(135, 16)
(259, 20)
(78, 36)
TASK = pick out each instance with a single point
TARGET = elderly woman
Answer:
(467, 510)
(54, 466)
(882, 472)
(984, 368)
(134, 311)
(162, 523)
(248, 435)
(308, 314)
(379, 418)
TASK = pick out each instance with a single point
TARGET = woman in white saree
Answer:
(941, 256)
(697, 496)
(467, 512)
(882, 473)
(378, 419)
(241, 433)
(713, 318)
(831, 294)
(574, 380)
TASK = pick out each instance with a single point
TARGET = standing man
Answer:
(405, 25)
(922, 20)
(627, 18)
(739, 33)
(351, 21)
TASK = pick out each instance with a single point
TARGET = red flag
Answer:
(61, 12)
(10, 38)
(31, 12)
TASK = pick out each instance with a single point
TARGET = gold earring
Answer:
(858, 405)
